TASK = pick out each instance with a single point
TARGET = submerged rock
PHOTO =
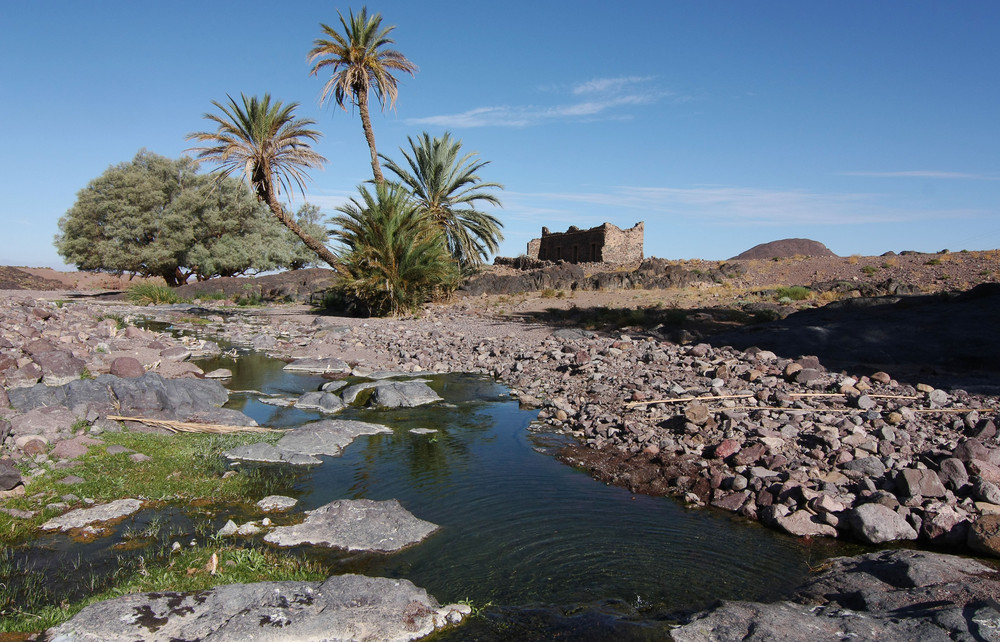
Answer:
(85, 516)
(328, 437)
(343, 607)
(355, 525)
(276, 503)
(319, 366)
(267, 454)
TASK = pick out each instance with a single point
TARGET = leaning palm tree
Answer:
(393, 257)
(360, 62)
(447, 188)
(270, 148)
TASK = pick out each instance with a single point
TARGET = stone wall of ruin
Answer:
(602, 244)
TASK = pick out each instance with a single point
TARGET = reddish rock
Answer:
(726, 447)
(731, 502)
(34, 446)
(127, 368)
(750, 455)
(58, 367)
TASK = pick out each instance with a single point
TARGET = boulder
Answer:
(127, 368)
(984, 535)
(58, 367)
(915, 482)
(876, 524)
(343, 607)
(803, 523)
(10, 476)
(402, 394)
(355, 525)
(322, 401)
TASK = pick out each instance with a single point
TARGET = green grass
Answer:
(151, 294)
(184, 467)
(793, 293)
(869, 269)
(117, 318)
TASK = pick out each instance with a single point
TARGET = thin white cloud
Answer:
(607, 85)
(600, 97)
(925, 174)
(727, 205)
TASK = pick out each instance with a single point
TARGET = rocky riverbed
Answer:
(779, 439)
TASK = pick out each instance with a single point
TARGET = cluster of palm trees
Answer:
(401, 240)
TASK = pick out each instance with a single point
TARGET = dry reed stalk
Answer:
(186, 426)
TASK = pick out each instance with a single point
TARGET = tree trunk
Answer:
(311, 242)
(366, 124)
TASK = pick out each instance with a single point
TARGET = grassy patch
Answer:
(792, 293)
(151, 294)
(869, 270)
(183, 467)
(117, 318)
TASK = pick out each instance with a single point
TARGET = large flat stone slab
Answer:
(97, 514)
(328, 365)
(343, 607)
(328, 437)
(267, 454)
(355, 525)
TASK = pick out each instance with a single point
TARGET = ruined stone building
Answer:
(602, 244)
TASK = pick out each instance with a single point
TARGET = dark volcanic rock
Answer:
(785, 248)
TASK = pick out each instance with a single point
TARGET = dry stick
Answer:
(633, 404)
(185, 426)
(921, 410)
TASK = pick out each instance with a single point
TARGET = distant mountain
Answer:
(784, 249)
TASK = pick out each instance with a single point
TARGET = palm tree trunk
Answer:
(311, 242)
(366, 124)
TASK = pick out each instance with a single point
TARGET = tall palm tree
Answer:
(360, 62)
(394, 258)
(270, 148)
(447, 187)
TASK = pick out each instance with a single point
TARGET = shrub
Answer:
(151, 294)
(869, 269)
(396, 257)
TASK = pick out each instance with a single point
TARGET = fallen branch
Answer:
(633, 404)
(187, 426)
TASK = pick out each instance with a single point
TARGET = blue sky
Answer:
(868, 126)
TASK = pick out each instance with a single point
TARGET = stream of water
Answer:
(544, 549)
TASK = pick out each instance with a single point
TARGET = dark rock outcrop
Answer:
(890, 595)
